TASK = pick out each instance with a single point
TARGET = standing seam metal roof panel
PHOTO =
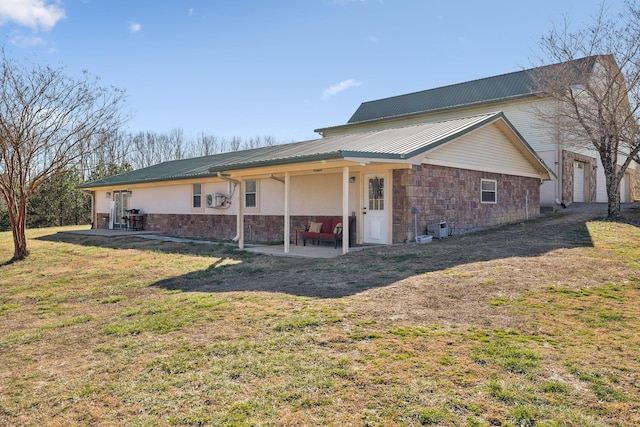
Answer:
(496, 88)
(485, 90)
(393, 143)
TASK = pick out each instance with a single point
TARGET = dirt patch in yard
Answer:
(462, 280)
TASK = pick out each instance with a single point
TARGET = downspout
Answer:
(559, 159)
(275, 178)
(236, 182)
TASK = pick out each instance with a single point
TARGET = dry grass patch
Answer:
(531, 324)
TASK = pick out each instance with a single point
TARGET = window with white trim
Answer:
(488, 191)
(251, 193)
(196, 202)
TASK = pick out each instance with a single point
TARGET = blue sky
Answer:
(278, 68)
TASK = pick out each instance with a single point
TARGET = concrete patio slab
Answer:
(314, 251)
(295, 251)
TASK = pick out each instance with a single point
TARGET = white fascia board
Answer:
(363, 161)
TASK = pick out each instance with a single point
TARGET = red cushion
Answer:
(326, 225)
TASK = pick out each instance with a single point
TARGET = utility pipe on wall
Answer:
(239, 237)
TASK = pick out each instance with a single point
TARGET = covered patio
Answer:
(295, 251)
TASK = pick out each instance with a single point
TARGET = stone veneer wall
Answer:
(453, 195)
(102, 221)
(591, 173)
(261, 228)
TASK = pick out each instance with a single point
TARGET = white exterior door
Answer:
(578, 182)
(374, 209)
(121, 204)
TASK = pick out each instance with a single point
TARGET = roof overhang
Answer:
(402, 147)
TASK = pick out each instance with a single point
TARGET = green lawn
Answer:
(534, 324)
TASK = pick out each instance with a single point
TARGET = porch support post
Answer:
(287, 217)
(345, 210)
(240, 215)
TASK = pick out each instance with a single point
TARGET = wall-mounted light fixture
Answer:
(352, 179)
(108, 194)
(129, 193)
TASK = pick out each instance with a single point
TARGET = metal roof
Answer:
(392, 144)
(503, 87)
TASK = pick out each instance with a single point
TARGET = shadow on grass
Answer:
(356, 272)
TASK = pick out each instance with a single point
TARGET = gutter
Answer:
(235, 182)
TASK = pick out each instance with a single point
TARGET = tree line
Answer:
(58, 201)
(143, 149)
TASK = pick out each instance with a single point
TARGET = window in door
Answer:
(376, 194)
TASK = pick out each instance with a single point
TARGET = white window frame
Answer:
(255, 193)
(494, 191)
(194, 195)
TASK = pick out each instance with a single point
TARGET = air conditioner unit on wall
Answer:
(216, 200)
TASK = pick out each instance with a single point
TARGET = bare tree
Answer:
(595, 84)
(269, 141)
(235, 144)
(206, 145)
(48, 122)
(112, 151)
(143, 148)
(178, 144)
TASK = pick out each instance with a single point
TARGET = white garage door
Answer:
(601, 184)
(624, 189)
(578, 182)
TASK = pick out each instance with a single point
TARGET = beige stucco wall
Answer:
(318, 194)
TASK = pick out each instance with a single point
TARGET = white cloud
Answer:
(134, 27)
(35, 14)
(26, 41)
(337, 88)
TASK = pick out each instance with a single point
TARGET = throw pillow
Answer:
(315, 227)
(338, 228)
